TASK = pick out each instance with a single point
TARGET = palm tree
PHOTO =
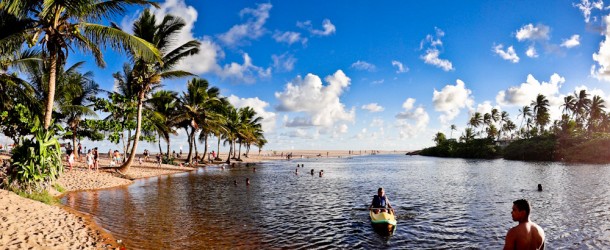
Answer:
(508, 127)
(524, 112)
(491, 131)
(148, 73)
(439, 138)
(453, 127)
(163, 106)
(582, 106)
(504, 118)
(75, 91)
(59, 26)
(569, 105)
(468, 135)
(232, 127)
(495, 115)
(596, 112)
(251, 128)
(541, 111)
(476, 120)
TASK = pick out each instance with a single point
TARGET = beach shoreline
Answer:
(80, 230)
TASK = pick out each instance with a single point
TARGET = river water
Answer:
(440, 204)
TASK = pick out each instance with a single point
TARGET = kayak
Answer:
(383, 221)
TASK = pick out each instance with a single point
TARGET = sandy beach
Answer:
(26, 223)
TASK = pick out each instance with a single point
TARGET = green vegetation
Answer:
(30, 104)
(59, 188)
(43, 197)
(581, 135)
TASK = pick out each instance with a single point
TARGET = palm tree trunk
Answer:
(218, 148)
(229, 156)
(160, 151)
(74, 147)
(233, 145)
(51, 94)
(239, 154)
(168, 143)
(195, 142)
(205, 146)
(125, 167)
(191, 142)
(188, 138)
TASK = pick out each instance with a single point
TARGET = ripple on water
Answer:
(440, 204)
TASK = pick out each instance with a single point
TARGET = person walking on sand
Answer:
(96, 156)
(526, 235)
(71, 159)
(89, 160)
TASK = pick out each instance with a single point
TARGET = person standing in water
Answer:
(526, 235)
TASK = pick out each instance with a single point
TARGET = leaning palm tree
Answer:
(59, 26)
(569, 105)
(162, 106)
(149, 73)
(524, 113)
(476, 120)
(596, 112)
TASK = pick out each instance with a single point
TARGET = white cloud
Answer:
(362, 65)
(531, 52)
(533, 33)
(284, 62)
(246, 72)
(431, 57)
(328, 28)
(206, 61)
(572, 42)
(602, 57)
(486, 107)
(321, 103)
(412, 122)
(372, 107)
(378, 81)
(377, 123)
(508, 55)
(298, 122)
(251, 29)
(342, 129)
(298, 133)
(401, 68)
(585, 6)
(525, 93)
(269, 118)
(289, 37)
(451, 99)
(432, 53)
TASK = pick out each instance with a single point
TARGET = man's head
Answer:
(380, 192)
(521, 210)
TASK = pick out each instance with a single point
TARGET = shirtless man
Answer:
(526, 235)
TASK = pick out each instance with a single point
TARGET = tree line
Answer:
(43, 99)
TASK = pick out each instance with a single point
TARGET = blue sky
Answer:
(385, 74)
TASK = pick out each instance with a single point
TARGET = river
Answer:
(440, 204)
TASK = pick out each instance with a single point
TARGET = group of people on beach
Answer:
(526, 235)
(91, 158)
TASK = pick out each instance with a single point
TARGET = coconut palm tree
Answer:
(524, 113)
(163, 107)
(468, 135)
(453, 127)
(75, 91)
(476, 120)
(569, 105)
(232, 127)
(149, 73)
(504, 118)
(495, 115)
(251, 128)
(596, 112)
(582, 106)
(541, 111)
(60, 26)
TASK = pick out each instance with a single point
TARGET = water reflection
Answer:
(441, 203)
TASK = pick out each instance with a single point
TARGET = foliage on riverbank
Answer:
(477, 148)
(540, 148)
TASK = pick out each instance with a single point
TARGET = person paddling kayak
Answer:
(380, 200)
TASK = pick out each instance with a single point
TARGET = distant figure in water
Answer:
(235, 182)
(526, 235)
(302, 165)
(298, 165)
(296, 171)
(247, 181)
(253, 169)
(312, 171)
(540, 187)
(321, 173)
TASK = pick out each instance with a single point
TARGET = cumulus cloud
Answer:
(508, 55)
(451, 99)
(372, 107)
(486, 107)
(289, 37)
(586, 7)
(246, 72)
(525, 93)
(412, 121)
(251, 29)
(400, 68)
(284, 62)
(206, 61)
(572, 42)
(298, 133)
(531, 52)
(376, 123)
(533, 33)
(321, 103)
(378, 81)
(362, 65)
(602, 57)
(432, 52)
(260, 106)
(327, 28)
(298, 122)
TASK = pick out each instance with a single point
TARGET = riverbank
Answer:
(27, 223)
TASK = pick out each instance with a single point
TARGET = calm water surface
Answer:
(441, 204)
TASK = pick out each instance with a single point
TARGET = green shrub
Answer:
(540, 148)
(43, 197)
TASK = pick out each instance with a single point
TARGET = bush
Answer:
(540, 148)
(43, 197)
(477, 149)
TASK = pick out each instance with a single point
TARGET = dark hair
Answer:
(522, 205)
(380, 189)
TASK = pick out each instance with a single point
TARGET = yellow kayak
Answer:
(383, 221)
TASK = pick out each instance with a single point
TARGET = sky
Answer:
(383, 75)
